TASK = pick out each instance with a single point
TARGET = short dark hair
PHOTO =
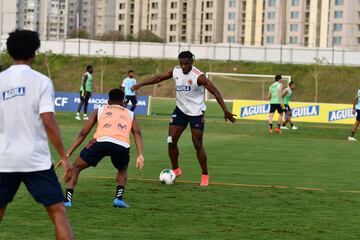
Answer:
(291, 82)
(116, 94)
(277, 77)
(22, 44)
(186, 54)
(88, 67)
(130, 71)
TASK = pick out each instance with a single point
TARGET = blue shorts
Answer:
(131, 99)
(287, 108)
(357, 115)
(95, 151)
(42, 185)
(181, 119)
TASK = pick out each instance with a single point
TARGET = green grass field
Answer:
(299, 185)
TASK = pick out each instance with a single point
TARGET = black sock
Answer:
(69, 194)
(278, 125)
(119, 192)
(352, 134)
(291, 124)
(132, 108)
(270, 125)
(284, 124)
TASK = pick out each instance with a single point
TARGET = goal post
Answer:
(242, 86)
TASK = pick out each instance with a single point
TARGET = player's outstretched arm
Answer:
(153, 80)
(204, 81)
(88, 125)
(53, 132)
(136, 131)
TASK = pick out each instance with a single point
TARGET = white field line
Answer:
(232, 184)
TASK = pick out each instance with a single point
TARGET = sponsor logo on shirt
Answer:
(306, 111)
(183, 88)
(122, 127)
(15, 92)
(340, 114)
(108, 114)
(254, 110)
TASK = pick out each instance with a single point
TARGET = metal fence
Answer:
(235, 52)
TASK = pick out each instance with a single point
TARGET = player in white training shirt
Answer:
(190, 108)
(26, 122)
(127, 84)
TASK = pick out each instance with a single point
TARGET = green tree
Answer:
(79, 33)
(144, 36)
(111, 36)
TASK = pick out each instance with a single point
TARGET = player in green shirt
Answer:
(287, 95)
(85, 92)
(276, 103)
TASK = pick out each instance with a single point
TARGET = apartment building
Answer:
(96, 17)
(234, 21)
(129, 16)
(7, 17)
(312, 23)
(209, 21)
(309, 23)
(191, 21)
(180, 21)
(153, 17)
(56, 27)
(343, 24)
(31, 15)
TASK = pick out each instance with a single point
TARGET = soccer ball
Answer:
(167, 176)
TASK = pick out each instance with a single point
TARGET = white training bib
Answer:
(189, 95)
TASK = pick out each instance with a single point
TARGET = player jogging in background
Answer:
(130, 95)
(190, 108)
(287, 95)
(112, 138)
(356, 110)
(85, 92)
(27, 120)
(276, 103)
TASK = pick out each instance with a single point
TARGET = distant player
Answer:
(287, 95)
(27, 120)
(276, 103)
(85, 92)
(356, 110)
(190, 108)
(130, 95)
(112, 138)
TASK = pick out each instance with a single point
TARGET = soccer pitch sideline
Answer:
(301, 184)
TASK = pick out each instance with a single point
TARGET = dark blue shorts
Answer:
(42, 185)
(287, 108)
(131, 99)
(357, 115)
(95, 151)
(179, 118)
